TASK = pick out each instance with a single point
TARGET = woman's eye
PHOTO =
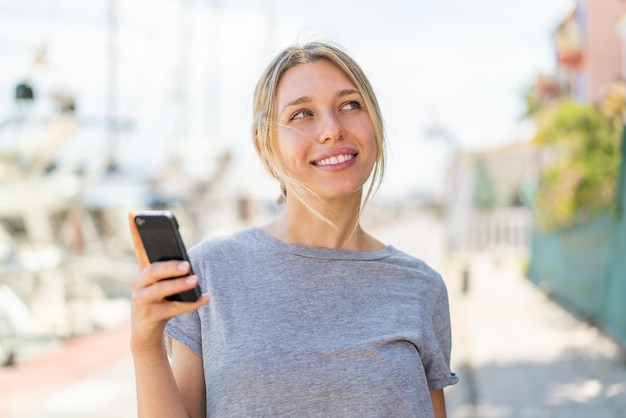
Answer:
(300, 114)
(352, 105)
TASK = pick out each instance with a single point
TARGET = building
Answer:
(486, 206)
(590, 49)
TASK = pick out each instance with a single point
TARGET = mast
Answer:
(112, 129)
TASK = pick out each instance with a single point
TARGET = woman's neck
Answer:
(341, 229)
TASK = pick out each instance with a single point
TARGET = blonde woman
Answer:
(309, 315)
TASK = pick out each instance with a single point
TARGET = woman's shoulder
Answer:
(412, 264)
(219, 249)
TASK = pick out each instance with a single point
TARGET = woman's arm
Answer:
(439, 403)
(189, 374)
(157, 392)
(159, 385)
(164, 391)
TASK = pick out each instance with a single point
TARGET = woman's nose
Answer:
(332, 128)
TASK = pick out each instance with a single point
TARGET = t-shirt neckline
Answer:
(320, 253)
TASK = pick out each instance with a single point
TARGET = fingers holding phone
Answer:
(162, 279)
(151, 288)
(166, 285)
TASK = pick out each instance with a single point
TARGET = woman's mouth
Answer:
(334, 160)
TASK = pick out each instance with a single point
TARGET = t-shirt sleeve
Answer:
(186, 328)
(437, 358)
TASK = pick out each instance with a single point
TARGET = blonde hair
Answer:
(264, 112)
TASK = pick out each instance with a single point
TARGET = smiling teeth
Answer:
(335, 160)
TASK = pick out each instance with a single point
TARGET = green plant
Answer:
(582, 182)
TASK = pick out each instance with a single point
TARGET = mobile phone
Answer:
(161, 239)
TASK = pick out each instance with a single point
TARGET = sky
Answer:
(187, 69)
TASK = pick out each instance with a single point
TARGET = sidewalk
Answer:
(527, 356)
(518, 353)
(89, 376)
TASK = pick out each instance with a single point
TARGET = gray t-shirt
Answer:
(293, 331)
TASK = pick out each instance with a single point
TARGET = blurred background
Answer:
(505, 128)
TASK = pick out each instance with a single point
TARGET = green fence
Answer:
(584, 267)
(615, 310)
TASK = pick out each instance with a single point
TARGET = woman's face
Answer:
(323, 133)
